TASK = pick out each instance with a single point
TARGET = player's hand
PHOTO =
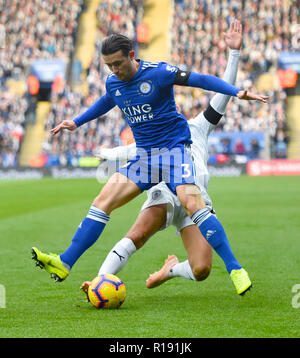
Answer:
(249, 96)
(66, 124)
(99, 156)
(233, 37)
(85, 288)
(99, 153)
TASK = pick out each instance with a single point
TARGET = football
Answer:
(107, 291)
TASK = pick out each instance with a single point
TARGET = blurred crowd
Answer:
(12, 109)
(34, 29)
(198, 44)
(38, 29)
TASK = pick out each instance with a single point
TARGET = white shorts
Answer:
(176, 215)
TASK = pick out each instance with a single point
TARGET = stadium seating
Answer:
(158, 46)
(198, 44)
(195, 43)
(33, 30)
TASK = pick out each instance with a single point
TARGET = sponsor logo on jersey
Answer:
(138, 113)
(118, 93)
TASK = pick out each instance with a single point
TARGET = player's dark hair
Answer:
(114, 43)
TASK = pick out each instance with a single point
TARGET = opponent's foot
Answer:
(241, 281)
(51, 263)
(161, 276)
(85, 288)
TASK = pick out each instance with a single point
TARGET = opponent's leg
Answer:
(214, 233)
(149, 221)
(198, 265)
(199, 252)
(117, 192)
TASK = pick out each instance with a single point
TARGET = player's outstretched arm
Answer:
(233, 39)
(100, 107)
(215, 84)
(124, 152)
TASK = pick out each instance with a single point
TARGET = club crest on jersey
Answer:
(145, 88)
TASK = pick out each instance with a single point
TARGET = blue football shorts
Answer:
(173, 166)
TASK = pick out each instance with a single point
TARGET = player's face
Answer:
(122, 66)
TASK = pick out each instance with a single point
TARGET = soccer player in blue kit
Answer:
(162, 208)
(143, 91)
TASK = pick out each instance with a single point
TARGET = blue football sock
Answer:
(214, 233)
(86, 235)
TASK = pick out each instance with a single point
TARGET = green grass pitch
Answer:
(261, 217)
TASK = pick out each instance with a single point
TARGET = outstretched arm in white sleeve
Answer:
(123, 152)
(233, 39)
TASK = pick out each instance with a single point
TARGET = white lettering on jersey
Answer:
(138, 113)
(171, 68)
(147, 64)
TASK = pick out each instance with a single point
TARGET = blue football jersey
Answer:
(148, 105)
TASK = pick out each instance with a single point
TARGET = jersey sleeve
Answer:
(166, 74)
(212, 83)
(219, 101)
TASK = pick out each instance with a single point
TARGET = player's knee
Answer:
(191, 200)
(201, 272)
(105, 203)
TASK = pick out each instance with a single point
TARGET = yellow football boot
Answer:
(241, 281)
(51, 263)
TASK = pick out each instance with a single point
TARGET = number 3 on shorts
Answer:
(186, 170)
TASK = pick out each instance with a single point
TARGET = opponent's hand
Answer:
(233, 37)
(99, 156)
(66, 124)
(99, 153)
(249, 96)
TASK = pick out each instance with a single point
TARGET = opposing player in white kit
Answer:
(162, 208)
